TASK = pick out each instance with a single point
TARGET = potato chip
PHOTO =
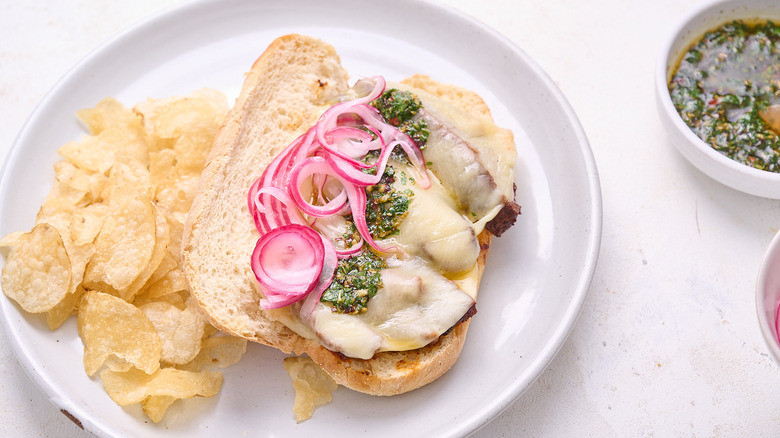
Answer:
(62, 198)
(177, 229)
(171, 282)
(68, 175)
(78, 255)
(62, 311)
(173, 116)
(125, 244)
(166, 120)
(109, 112)
(217, 352)
(111, 326)
(161, 167)
(74, 185)
(134, 386)
(86, 222)
(176, 196)
(117, 364)
(162, 237)
(11, 239)
(180, 331)
(99, 152)
(155, 406)
(168, 262)
(127, 179)
(193, 147)
(209, 331)
(312, 386)
(37, 273)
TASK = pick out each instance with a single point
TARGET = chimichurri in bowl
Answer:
(724, 88)
(718, 92)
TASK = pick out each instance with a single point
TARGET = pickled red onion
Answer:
(288, 261)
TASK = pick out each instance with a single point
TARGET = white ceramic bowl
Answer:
(711, 162)
(768, 297)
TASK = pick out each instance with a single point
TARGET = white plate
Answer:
(536, 280)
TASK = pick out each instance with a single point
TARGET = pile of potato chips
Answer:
(106, 246)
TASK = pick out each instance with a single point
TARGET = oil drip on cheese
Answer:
(430, 282)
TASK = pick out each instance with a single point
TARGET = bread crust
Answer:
(285, 91)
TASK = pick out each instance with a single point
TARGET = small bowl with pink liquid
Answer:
(768, 297)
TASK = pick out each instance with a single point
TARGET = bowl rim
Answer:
(687, 30)
(766, 325)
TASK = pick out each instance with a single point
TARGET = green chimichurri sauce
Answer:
(386, 207)
(357, 279)
(724, 82)
(398, 108)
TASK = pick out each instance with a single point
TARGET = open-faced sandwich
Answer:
(349, 223)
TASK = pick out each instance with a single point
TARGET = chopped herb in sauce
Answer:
(386, 207)
(399, 108)
(357, 280)
(350, 237)
(724, 82)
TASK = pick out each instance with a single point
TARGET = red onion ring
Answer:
(288, 262)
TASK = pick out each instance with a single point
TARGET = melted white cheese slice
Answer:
(433, 229)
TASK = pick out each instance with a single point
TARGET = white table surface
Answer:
(667, 343)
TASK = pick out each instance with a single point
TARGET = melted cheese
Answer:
(413, 308)
(433, 229)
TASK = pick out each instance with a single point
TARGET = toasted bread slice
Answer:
(286, 90)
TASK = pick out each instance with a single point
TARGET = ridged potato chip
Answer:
(37, 273)
(312, 386)
(111, 326)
